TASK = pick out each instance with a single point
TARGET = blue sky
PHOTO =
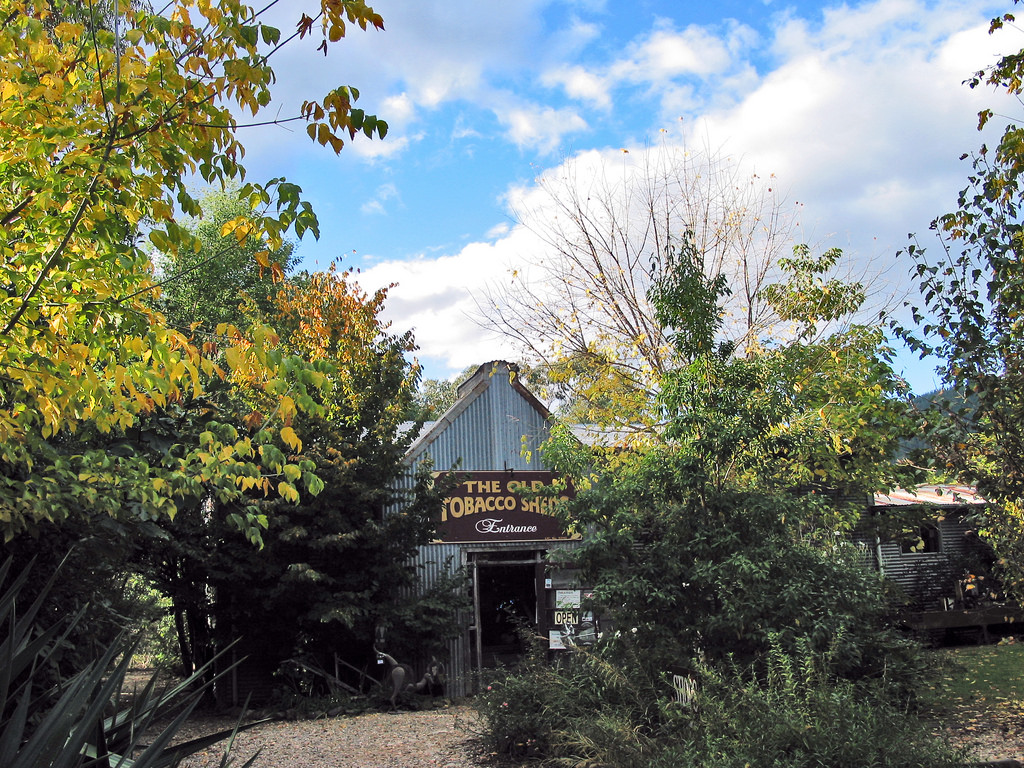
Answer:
(857, 111)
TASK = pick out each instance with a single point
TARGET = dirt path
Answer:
(439, 737)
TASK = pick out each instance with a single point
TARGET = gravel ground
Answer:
(439, 737)
(445, 738)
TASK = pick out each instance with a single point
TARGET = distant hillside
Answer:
(939, 398)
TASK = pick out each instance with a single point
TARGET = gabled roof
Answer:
(471, 392)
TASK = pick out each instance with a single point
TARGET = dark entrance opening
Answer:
(508, 606)
(505, 604)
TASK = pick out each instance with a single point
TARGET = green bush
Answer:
(692, 569)
(600, 707)
(518, 715)
(796, 715)
(585, 706)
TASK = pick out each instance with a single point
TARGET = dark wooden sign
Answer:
(501, 506)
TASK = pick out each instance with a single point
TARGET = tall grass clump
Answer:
(796, 714)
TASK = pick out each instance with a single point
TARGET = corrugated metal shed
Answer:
(932, 495)
(496, 424)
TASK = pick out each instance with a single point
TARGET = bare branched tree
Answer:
(579, 306)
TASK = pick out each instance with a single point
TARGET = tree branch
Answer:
(58, 252)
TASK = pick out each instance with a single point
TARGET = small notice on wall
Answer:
(556, 640)
(567, 599)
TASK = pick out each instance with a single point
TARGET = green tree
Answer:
(225, 281)
(331, 567)
(102, 126)
(969, 315)
(818, 408)
(435, 396)
(692, 539)
(714, 552)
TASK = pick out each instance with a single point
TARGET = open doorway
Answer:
(505, 603)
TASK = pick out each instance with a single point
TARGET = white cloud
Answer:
(578, 34)
(666, 54)
(498, 230)
(580, 84)
(374, 149)
(401, 115)
(540, 127)
(377, 204)
(434, 297)
(432, 54)
(972, 49)
(464, 130)
(399, 109)
(683, 68)
(864, 117)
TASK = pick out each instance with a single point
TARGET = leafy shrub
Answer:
(519, 711)
(584, 706)
(693, 569)
(797, 714)
(790, 713)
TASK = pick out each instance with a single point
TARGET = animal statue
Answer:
(397, 674)
(400, 677)
(433, 679)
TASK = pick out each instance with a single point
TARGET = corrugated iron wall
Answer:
(487, 434)
(927, 577)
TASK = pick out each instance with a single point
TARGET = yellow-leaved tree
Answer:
(107, 115)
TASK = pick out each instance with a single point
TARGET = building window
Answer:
(926, 541)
